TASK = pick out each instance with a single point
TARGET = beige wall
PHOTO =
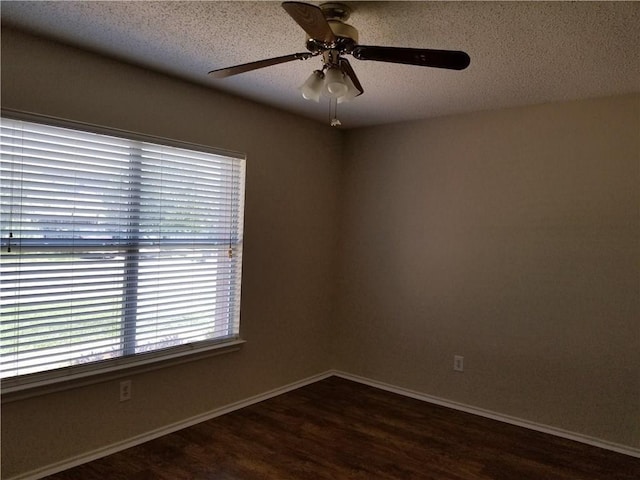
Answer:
(293, 169)
(508, 237)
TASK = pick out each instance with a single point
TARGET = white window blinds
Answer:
(113, 248)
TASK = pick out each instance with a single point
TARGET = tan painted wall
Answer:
(508, 237)
(293, 169)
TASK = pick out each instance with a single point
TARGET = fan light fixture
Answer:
(333, 84)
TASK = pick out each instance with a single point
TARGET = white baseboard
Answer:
(174, 427)
(596, 442)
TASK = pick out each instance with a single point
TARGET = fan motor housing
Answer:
(335, 11)
(343, 30)
(346, 35)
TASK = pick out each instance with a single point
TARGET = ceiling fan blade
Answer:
(451, 59)
(247, 67)
(345, 66)
(311, 19)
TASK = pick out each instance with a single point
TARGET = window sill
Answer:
(35, 388)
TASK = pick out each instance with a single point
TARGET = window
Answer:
(114, 248)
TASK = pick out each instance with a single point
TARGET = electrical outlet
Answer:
(458, 363)
(125, 390)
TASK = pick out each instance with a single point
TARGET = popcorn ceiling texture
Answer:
(521, 52)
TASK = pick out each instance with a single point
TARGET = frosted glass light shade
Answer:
(334, 84)
(352, 91)
(312, 87)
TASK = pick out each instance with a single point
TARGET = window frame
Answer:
(26, 385)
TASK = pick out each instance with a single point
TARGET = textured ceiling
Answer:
(521, 52)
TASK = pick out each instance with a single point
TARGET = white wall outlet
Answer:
(125, 390)
(458, 363)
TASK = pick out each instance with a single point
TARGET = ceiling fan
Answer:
(328, 35)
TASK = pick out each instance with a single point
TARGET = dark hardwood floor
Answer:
(336, 429)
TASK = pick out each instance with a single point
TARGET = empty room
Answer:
(358, 240)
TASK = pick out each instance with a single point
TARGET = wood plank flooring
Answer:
(336, 429)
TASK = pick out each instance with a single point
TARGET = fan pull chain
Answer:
(333, 112)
